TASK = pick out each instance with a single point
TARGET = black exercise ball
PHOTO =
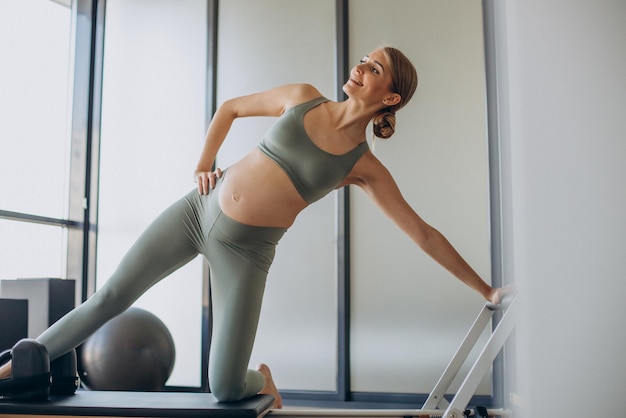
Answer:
(132, 352)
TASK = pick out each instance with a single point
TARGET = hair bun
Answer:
(384, 124)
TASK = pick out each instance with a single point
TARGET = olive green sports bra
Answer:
(313, 171)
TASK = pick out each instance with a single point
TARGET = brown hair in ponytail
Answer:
(384, 124)
(403, 82)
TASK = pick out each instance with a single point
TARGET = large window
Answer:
(97, 138)
(401, 326)
(36, 82)
(76, 122)
(152, 129)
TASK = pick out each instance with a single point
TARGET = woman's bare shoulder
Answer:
(300, 93)
(272, 102)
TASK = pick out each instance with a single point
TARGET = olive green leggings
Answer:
(239, 258)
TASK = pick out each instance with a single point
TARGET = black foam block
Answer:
(13, 322)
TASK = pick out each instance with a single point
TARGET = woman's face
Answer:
(371, 81)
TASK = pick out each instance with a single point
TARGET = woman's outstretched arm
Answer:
(377, 182)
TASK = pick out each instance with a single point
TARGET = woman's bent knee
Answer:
(227, 389)
(225, 393)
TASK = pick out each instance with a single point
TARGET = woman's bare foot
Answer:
(5, 371)
(270, 387)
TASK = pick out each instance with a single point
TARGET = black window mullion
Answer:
(495, 183)
(89, 27)
(343, 222)
(211, 107)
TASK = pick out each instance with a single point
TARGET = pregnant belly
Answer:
(256, 191)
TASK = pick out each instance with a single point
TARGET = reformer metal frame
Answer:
(437, 405)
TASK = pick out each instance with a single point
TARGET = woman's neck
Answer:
(351, 117)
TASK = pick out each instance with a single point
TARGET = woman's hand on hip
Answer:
(207, 179)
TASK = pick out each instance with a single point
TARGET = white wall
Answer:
(565, 200)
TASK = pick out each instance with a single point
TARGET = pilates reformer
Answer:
(177, 404)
